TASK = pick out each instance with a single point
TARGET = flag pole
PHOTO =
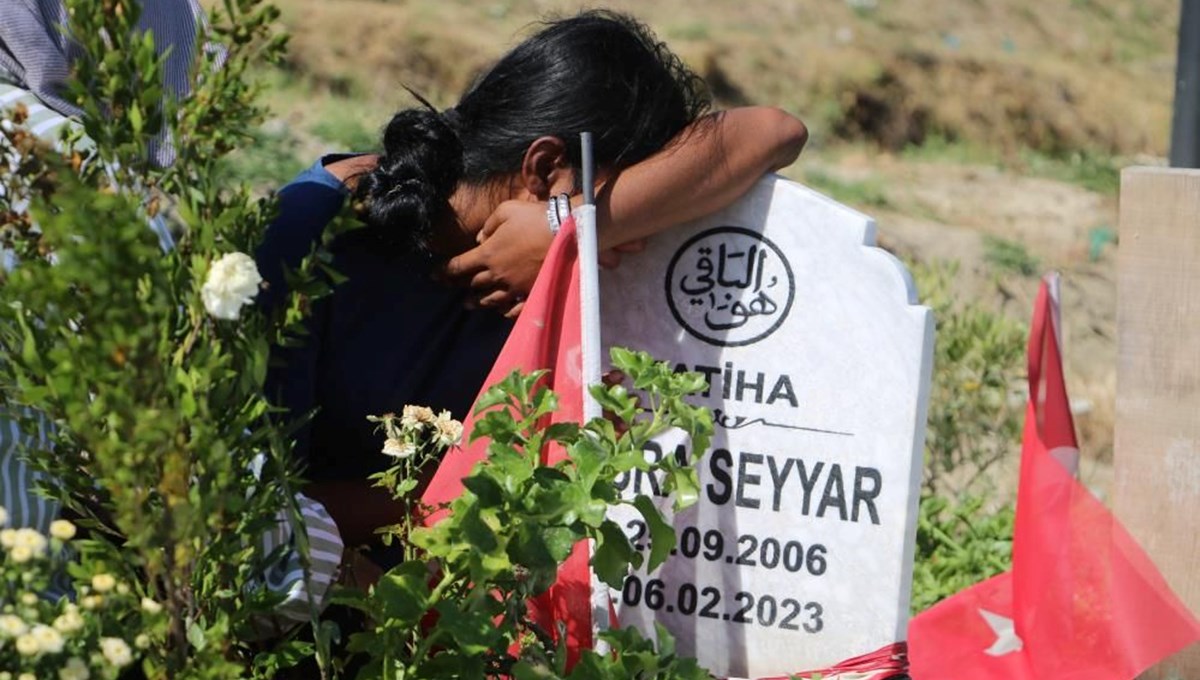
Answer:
(589, 314)
(589, 280)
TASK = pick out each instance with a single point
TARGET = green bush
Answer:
(975, 413)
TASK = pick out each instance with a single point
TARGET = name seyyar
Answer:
(775, 483)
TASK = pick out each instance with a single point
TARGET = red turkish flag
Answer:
(1082, 599)
(547, 335)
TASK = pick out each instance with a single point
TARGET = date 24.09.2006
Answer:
(707, 602)
(750, 550)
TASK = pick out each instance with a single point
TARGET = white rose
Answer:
(150, 606)
(232, 283)
(116, 652)
(142, 641)
(20, 554)
(62, 529)
(32, 540)
(8, 538)
(28, 645)
(398, 449)
(50, 640)
(69, 622)
(12, 626)
(74, 669)
(449, 431)
(414, 417)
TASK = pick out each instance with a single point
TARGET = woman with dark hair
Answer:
(459, 197)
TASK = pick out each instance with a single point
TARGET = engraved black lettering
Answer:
(862, 494)
(719, 464)
(778, 477)
(783, 390)
(835, 493)
(744, 479)
(808, 483)
(757, 386)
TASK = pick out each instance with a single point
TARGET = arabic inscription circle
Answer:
(730, 286)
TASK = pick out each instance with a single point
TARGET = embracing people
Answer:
(456, 227)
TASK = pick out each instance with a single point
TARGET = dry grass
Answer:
(1007, 73)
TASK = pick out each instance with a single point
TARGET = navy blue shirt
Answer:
(387, 337)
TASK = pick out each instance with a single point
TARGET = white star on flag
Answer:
(1007, 640)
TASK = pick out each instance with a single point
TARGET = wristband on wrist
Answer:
(558, 209)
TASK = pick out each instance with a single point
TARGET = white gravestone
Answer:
(799, 553)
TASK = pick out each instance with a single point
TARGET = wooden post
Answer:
(1157, 444)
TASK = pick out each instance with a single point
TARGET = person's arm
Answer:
(706, 168)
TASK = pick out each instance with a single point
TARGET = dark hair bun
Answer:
(416, 175)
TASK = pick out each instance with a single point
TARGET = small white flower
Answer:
(28, 645)
(8, 538)
(12, 626)
(232, 283)
(29, 599)
(62, 529)
(3, 516)
(92, 602)
(69, 622)
(31, 539)
(142, 641)
(414, 417)
(398, 449)
(5, 675)
(74, 669)
(150, 606)
(27, 676)
(116, 651)
(103, 582)
(49, 640)
(449, 430)
(20, 554)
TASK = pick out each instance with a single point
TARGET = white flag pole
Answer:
(589, 280)
(589, 315)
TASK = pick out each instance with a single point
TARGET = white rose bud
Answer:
(103, 582)
(62, 529)
(232, 283)
(150, 606)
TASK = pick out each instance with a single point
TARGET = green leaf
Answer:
(613, 555)
(403, 592)
(486, 488)
(662, 534)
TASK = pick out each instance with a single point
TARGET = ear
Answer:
(546, 170)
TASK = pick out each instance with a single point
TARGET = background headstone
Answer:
(1156, 454)
(799, 554)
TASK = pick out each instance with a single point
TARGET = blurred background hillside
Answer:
(987, 133)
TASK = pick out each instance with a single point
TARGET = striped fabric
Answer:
(304, 587)
(36, 54)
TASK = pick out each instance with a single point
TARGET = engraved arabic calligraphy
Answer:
(727, 279)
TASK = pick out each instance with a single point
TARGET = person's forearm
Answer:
(706, 168)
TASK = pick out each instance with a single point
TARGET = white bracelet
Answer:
(557, 211)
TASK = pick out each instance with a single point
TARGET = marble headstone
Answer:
(799, 553)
